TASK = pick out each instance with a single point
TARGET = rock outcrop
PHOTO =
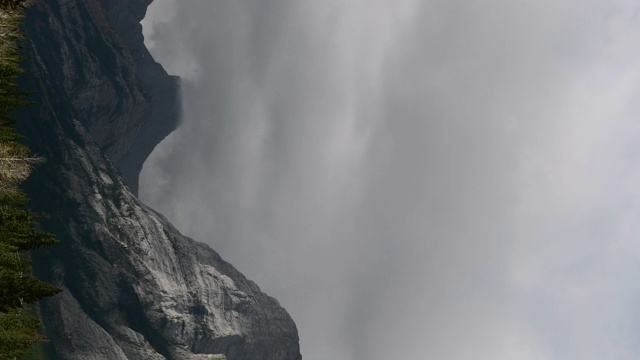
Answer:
(94, 50)
(134, 287)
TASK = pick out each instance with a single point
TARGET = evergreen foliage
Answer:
(18, 231)
(17, 333)
(13, 4)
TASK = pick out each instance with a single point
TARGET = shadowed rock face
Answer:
(95, 50)
(134, 287)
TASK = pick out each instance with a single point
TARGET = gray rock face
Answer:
(134, 287)
(94, 49)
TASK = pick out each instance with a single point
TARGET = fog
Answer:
(414, 179)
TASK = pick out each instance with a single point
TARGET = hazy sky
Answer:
(414, 179)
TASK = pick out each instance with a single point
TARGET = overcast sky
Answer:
(414, 179)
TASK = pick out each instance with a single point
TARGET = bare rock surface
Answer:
(135, 288)
(94, 50)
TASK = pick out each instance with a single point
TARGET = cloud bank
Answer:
(414, 179)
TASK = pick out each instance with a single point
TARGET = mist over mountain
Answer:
(414, 179)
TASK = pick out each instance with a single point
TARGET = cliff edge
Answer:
(134, 287)
(94, 50)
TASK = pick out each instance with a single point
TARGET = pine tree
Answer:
(17, 333)
(18, 235)
(18, 231)
(13, 199)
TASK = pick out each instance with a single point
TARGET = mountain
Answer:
(135, 288)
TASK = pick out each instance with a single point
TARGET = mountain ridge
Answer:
(125, 99)
(135, 288)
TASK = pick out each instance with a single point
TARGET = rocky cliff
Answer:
(94, 51)
(134, 287)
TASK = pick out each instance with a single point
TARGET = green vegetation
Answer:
(18, 232)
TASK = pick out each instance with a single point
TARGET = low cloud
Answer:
(416, 179)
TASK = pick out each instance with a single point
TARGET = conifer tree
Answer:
(17, 334)
(18, 231)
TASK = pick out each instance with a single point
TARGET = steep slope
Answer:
(135, 288)
(94, 49)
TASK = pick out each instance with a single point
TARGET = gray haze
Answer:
(414, 179)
